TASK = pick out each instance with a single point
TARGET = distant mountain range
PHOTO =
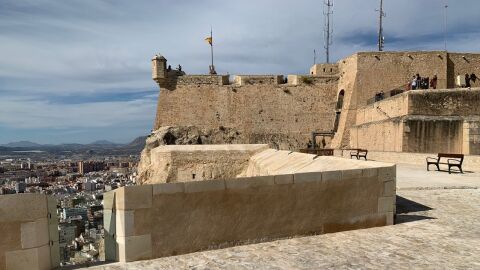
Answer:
(136, 145)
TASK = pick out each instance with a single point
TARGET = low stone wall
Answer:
(458, 102)
(312, 79)
(389, 108)
(151, 221)
(384, 135)
(29, 232)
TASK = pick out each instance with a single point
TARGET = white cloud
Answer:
(67, 48)
(26, 113)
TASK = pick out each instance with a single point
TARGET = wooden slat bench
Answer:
(359, 153)
(453, 160)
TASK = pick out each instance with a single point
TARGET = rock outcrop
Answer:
(191, 135)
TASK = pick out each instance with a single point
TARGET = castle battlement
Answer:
(241, 80)
(203, 79)
(329, 98)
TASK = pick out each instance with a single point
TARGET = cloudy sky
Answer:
(79, 70)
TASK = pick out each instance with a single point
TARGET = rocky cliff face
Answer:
(190, 135)
(182, 136)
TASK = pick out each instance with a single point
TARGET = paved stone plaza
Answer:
(437, 228)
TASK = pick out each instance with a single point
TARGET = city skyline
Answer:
(78, 72)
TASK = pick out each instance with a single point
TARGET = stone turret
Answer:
(159, 69)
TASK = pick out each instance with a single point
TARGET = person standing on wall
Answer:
(473, 78)
(467, 81)
(433, 82)
(414, 83)
(419, 81)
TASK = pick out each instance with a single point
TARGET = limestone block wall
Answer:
(439, 136)
(172, 163)
(471, 136)
(392, 107)
(462, 63)
(386, 135)
(385, 71)
(153, 221)
(427, 121)
(448, 102)
(262, 113)
(29, 232)
(311, 79)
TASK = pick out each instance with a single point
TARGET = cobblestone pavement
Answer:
(437, 229)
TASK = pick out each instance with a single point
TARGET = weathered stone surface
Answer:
(35, 234)
(26, 229)
(312, 177)
(125, 223)
(386, 174)
(133, 197)
(23, 207)
(249, 182)
(204, 186)
(168, 188)
(134, 248)
(385, 204)
(285, 179)
(28, 259)
(109, 200)
(442, 234)
(171, 163)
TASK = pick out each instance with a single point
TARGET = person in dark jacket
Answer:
(434, 81)
(467, 81)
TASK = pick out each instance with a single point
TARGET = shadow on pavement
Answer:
(405, 207)
(408, 206)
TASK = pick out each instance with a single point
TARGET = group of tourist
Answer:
(466, 82)
(417, 82)
(379, 96)
(179, 68)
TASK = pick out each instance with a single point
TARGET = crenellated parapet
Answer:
(324, 69)
(241, 80)
(203, 79)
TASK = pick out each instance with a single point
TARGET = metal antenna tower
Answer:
(328, 28)
(445, 14)
(381, 37)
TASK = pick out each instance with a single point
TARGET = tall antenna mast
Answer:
(445, 23)
(381, 38)
(328, 29)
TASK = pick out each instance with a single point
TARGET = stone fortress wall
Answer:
(29, 232)
(261, 108)
(276, 194)
(266, 109)
(421, 121)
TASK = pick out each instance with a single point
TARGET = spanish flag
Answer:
(209, 40)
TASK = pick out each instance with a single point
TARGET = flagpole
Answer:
(211, 46)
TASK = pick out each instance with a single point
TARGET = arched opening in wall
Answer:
(337, 120)
(340, 100)
(338, 109)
